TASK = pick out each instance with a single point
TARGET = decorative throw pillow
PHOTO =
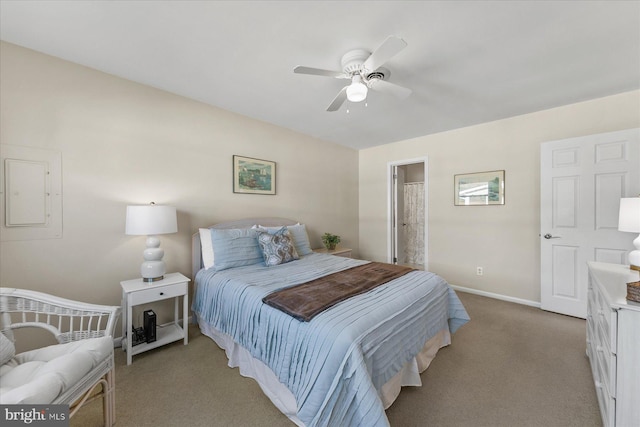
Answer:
(7, 349)
(298, 234)
(277, 248)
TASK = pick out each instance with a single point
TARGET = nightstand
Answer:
(343, 252)
(136, 292)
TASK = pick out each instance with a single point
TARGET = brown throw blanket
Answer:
(308, 299)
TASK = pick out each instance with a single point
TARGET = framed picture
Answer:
(253, 176)
(480, 188)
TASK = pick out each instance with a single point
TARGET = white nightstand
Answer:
(136, 292)
(343, 252)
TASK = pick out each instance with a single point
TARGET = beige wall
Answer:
(125, 143)
(502, 239)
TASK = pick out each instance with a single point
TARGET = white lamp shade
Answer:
(629, 215)
(151, 220)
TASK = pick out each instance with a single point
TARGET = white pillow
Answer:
(7, 349)
(206, 247)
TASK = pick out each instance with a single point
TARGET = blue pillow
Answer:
(235, 248)
(300, 238)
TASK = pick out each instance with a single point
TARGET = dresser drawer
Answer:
(606, 319)
(606, 362)
(157, 293)
(600, 342)
(605, 399)
(592, 339)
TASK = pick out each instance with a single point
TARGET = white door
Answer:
(398, 215)
(582, 181)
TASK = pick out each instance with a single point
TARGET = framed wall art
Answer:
(480, 188)
(253, 176)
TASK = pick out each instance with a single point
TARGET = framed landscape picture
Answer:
(253, 176)
(480, 188)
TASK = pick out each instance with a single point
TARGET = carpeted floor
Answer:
(511, 365)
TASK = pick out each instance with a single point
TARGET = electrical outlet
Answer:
(479, 271)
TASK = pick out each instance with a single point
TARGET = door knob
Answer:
(549, 236)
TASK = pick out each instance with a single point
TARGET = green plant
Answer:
(330, 240)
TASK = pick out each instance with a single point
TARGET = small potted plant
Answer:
(330, 240)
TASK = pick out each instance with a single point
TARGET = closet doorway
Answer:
(407, 225)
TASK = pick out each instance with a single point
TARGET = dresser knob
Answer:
(161, 293)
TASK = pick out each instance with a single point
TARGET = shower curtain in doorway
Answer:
(414, 223)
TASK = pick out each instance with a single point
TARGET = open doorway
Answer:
(408, 200)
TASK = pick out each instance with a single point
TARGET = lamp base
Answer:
(634, 256)
(153, 268)
(152, 271)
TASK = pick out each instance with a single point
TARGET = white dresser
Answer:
(613, 343)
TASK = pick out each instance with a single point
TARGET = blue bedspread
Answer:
(335, 364)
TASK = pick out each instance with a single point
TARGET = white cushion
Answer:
(40, 376)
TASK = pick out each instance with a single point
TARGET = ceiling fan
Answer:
(363, 69)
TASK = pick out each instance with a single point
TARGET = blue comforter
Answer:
(335, 364)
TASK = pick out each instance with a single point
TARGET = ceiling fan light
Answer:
(357, 91)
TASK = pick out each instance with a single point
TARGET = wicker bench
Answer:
(83, 355)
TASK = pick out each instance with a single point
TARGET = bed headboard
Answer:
(196, 252)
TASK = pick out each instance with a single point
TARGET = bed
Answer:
(345, 366)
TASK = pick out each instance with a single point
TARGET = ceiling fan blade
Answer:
(338, 100)
(390, 47)
(318, 72)
(389, 88)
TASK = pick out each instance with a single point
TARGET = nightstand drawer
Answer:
(157, 293)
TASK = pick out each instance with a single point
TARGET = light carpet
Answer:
(511, 365)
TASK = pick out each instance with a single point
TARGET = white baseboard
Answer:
(496, 296)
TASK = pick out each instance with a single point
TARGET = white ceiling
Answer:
(467, 62)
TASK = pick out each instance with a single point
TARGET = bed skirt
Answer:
(285, 401)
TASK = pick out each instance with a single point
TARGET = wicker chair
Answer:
(68, 321)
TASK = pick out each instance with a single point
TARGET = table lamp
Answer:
(630, 221)
(151, 220)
